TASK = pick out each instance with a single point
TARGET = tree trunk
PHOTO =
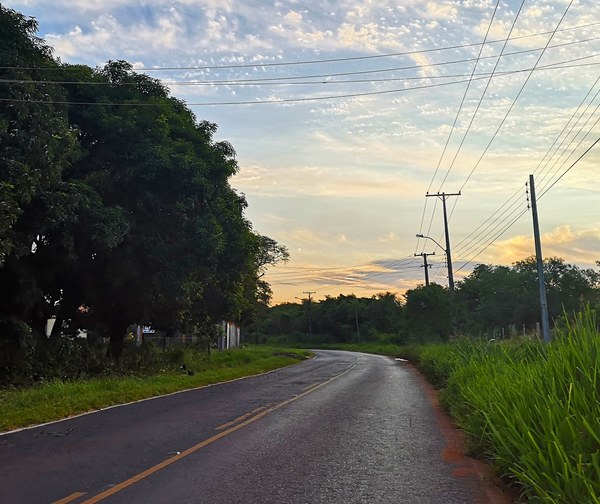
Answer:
(118, 328)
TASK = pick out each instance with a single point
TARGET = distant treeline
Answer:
(492, 302)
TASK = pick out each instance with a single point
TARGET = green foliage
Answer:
(113, 215)
(36, 141)
(429, 313)
(493, 298)
(533, 409)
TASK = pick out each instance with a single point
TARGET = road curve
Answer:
(342, 428)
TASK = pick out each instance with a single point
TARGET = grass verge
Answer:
(532, 409)
(61, 399)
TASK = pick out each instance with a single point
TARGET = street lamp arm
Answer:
(430, 238)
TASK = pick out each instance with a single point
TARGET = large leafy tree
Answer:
(496, 297)
(36, 141)
(36, 144)
(187, 248)
(492, 297)
(116, 208)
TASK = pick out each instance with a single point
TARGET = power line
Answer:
(513, 102)
(471, 121)
(245, 102)
(483, 94)
(515, 99)
(512, 223)
(468, 86)
(524, 211)
(329, 60)
(266, 81)
(358, 72)
(473, 243)
(570, 167)
(293, 100)
(573, 138)
(563, 130)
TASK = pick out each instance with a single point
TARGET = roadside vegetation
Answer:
(531, 409)
(144, 372)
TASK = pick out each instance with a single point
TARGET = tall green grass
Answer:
(533, 409)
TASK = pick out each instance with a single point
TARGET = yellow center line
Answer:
(161, 465)
(240, 418)
(69, 498)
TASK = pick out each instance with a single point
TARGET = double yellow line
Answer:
(225, 430)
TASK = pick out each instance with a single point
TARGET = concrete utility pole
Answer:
(425, 265)
(444, 197)
(309, 293)
(540, 264)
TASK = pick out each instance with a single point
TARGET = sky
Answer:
(345, 114)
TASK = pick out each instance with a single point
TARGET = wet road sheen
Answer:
(342, 428)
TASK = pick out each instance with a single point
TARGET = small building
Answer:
(229, 337)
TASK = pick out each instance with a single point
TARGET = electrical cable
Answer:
(330, 60)
(512, 105)
(464, 96)
(571, 142)
(481, 98)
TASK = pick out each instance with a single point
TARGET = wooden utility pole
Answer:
(444, 197)
(309, 293)
(540, 263)
(426, 265)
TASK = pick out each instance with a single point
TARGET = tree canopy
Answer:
(116, 206)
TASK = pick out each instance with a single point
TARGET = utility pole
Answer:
(426, 265)
(444, 197)
(540, 264)
(309, 293)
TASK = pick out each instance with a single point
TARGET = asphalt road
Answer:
(342, 428)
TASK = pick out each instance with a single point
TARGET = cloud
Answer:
(441, 10)
(389, 275)
(576, 246)
(343, 180)
(293, 17)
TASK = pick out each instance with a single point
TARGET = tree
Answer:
(116, 208)
(183, 245)
(567, 285)
(429, 313)
(496, 297)
(36, 142)
(493, 297)
(36, 145)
